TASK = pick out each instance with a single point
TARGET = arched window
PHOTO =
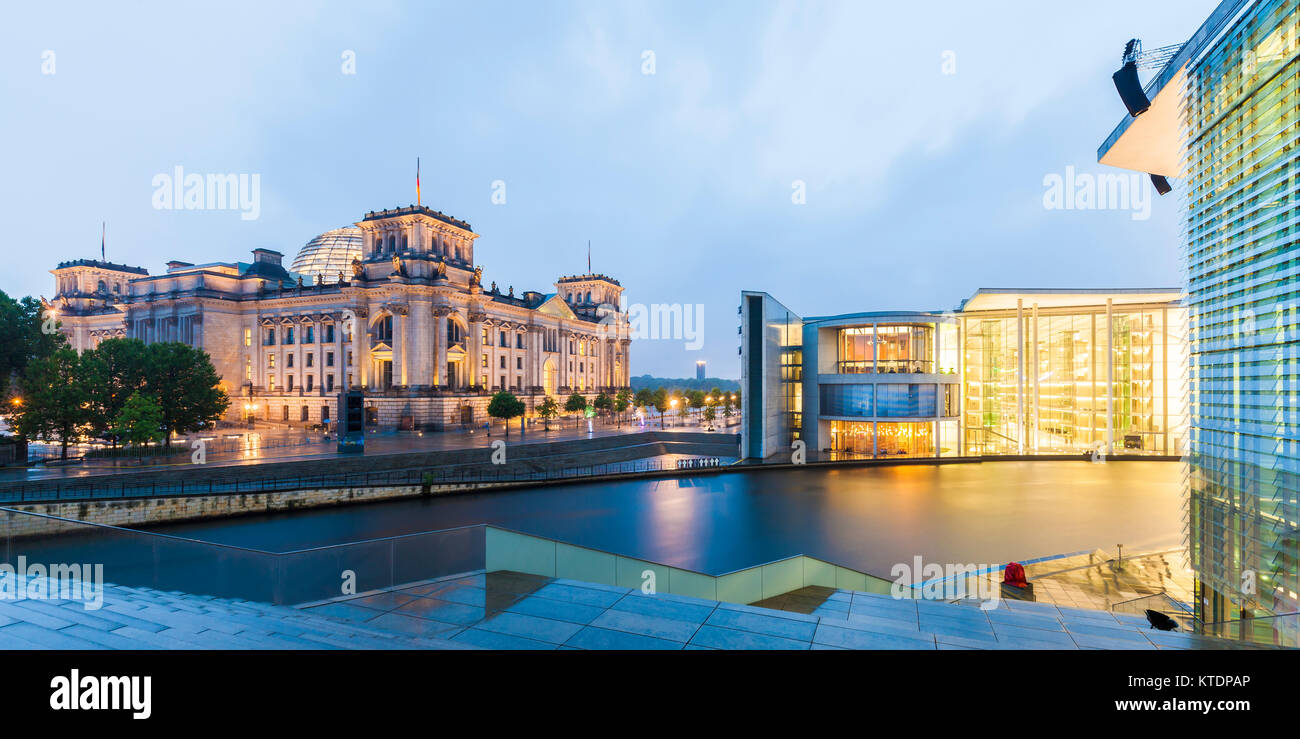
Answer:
(405, 243)
(454, 334)
(102, 287)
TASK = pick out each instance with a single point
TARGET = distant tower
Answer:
(699, 370)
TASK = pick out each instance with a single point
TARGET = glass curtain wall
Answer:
(1059, 405)
(1243, 230)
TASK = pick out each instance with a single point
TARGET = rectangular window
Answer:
(248, 337)
(248, 370)
(270, 361)
(311, 359)
(519, 362)
(288, 361)
(519, 341)
(309, 335)
(485, 360)
(329, 383)
(329, 333)
(270, 338)
(329, 359)
(289, 383)
(311, 383)
(503, 339)
(325, 413)
(349, 364)
(271, 383)
(503, 361)
(288, 335)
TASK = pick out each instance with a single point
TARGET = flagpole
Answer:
(417, 181)
(103, 236)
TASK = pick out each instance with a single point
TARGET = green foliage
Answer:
(115, 370)
(575, 404)
(139, 421)
(696, 398)
(55, 399)
(185, 384)
(644, 398)
(505, 405)
(622, 400)
(23, 337)
(548, 408)
(603, 402)
(660, 400)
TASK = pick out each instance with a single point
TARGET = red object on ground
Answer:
(1015, 575)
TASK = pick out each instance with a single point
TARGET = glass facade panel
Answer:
(857, 350)
(906, 348)
(1074, 372)
(905, 401)
(847, 400)
(882, 439)
(1243, 233)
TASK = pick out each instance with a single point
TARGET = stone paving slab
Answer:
(508, 610)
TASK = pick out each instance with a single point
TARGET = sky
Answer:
(841, 156)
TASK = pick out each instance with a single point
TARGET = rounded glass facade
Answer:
(326, 256)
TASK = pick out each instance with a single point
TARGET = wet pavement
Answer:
(241, 448)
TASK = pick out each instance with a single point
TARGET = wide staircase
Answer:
(144, 618)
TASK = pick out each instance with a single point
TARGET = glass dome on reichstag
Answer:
(325, 256)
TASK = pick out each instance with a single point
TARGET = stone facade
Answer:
(412, 325)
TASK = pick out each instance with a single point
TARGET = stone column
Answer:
(440, 314)
(419, 353)
(360, 350)
(564, 359)
(474, 344)
(626, 380)
(401, 350)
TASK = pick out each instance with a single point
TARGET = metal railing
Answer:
(442, 476)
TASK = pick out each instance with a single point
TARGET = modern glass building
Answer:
(1010, 372)
(881, 385)
(1224, 121)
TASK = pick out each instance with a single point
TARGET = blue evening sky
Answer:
(921, 186)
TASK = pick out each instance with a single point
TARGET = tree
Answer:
(661, 403)
(185, 384)
(644, 398)
(505, 405)
(710, 413)
(114, 370)
(622, 400)
(55, 399)
(696, 398)
(576, 404)
(27, 332)
(139, 421)
(548, 409)
(603, 402)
